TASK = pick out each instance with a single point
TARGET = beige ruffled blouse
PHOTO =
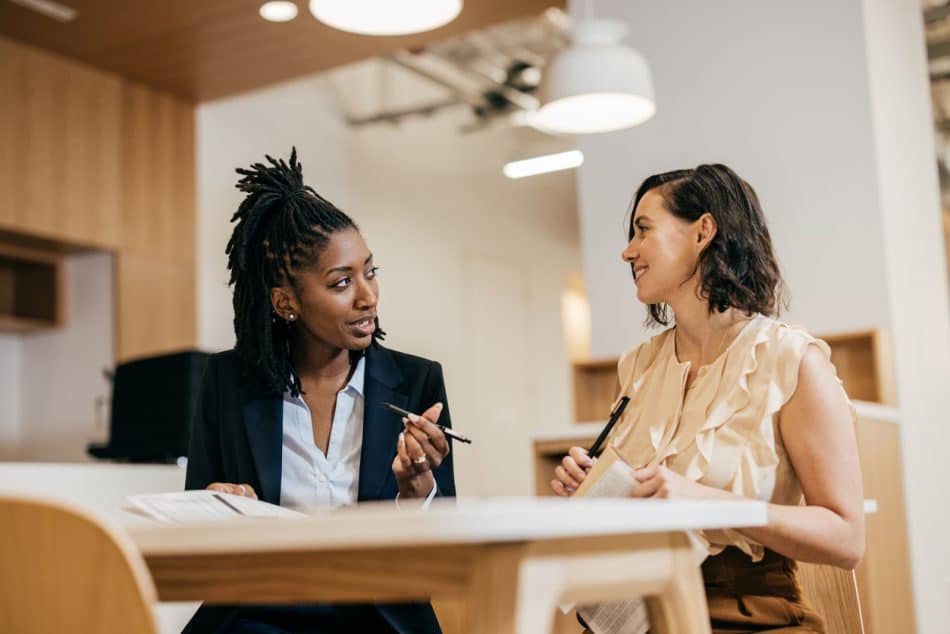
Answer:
(723, 431)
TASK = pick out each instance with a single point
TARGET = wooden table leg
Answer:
(515, 588)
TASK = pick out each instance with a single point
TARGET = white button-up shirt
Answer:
(308, 478)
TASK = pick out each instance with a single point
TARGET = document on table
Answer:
(182, 507)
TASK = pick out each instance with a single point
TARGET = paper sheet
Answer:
(182, 507)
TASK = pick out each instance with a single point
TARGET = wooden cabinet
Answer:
(155, 277)
(60, 157)
(155, 306)
(32, 295)
(89, 160)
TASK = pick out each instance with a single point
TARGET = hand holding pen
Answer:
(421, 447)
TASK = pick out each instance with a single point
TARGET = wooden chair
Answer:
(834, 594)
(63, 570)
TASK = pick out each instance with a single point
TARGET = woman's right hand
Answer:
(245, 490)
(572, 471)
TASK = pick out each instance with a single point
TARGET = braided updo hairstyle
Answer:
(282, 225)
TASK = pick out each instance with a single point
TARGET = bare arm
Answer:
(818, 433)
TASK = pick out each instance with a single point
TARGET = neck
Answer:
(701, 335)
(316, 359)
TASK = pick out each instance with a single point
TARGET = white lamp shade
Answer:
(385, 17)
(597, 84)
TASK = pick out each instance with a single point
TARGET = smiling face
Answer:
(663, 250)
(332, 302)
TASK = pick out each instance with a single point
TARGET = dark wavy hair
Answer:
(738, 268)
(282, 225)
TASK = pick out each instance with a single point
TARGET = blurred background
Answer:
(121, 125)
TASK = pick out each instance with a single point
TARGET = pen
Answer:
(597, 448)
(445, 430)
(227, 504)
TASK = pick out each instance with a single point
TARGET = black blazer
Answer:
(237, 437)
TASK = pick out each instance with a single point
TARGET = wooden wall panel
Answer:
(155, 268)
(158, 194)
(62, 153)
(12, 64)
(884, 582)
(155, 306)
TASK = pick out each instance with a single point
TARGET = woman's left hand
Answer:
(661, 482)
(421, 448)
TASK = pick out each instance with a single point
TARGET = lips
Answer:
(638, 271)
(364, 327)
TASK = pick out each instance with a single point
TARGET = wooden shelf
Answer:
(862, 359)
(595, 387)
(31, 289)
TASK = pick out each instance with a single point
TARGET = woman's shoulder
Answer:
(785, 341)
(637, 359)
(403, 360)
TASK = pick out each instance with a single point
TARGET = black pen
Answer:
(445, 430)
(598, 447)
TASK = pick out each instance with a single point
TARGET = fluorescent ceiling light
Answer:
(50, 9)
(597, 84)
(385, 17)
(544, 164)
(278, 11)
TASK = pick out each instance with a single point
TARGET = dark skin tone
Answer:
(331, 306)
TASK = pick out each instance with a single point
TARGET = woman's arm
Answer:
(818, 431)
(204, 451)
(435, 387)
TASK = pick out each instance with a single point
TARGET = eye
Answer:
(371, 274)
(343, 283)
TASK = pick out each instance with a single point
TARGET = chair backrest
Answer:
(63, 570)
(834, 594)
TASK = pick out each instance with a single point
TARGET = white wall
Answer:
(10, 381)
(61, 370)
(782, 98)
(824, 108)
(472, 264)
(915, 269)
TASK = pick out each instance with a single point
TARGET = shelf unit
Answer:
(862, 358)
(31, 289)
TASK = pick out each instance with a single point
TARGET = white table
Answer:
(513, 559)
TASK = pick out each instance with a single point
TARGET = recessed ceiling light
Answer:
(49, 9)
(278, 11)
(544, 164)
(385, 17)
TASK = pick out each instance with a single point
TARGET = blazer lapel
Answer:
(381, 427)
(263, 419)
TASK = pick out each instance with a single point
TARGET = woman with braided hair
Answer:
(293, 413)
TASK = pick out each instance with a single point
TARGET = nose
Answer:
(629, 253)
(366, 294)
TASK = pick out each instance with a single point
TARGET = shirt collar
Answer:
(358, 380)
(355, 384)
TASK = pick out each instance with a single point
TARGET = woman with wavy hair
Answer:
(730, 403)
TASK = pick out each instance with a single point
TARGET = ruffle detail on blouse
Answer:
(739, 436)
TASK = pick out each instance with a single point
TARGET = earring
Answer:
(291, 317)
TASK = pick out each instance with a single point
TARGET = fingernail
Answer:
(439, 406)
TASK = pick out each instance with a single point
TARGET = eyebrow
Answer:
(347, 269)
